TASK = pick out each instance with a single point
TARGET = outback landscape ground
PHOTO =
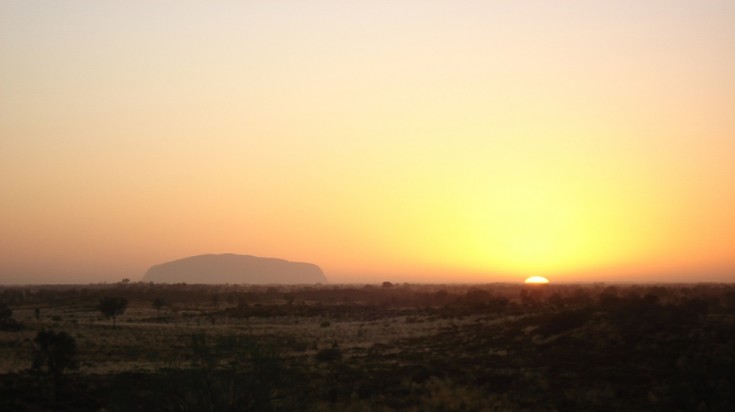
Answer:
(385, 347)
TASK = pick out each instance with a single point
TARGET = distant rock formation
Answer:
(235, 269)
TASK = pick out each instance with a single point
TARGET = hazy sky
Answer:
(434, 141)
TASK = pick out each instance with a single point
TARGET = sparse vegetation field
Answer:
(496, 347)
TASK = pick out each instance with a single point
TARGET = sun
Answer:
(536, 280)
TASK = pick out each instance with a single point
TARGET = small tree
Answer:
(55, 353)
(5, 312)
(112, 307)
(159, 303)
(7, 322)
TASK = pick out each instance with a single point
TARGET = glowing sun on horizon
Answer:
(536, 280)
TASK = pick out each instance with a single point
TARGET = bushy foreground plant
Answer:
(54, 354)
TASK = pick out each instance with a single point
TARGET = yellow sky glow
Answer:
(401, 140)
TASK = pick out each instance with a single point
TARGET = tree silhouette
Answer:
(112, 307)
(5, 312)
(158, 303)
(55, 352)
(6, 319)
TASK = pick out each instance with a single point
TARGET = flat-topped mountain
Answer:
(232, 268)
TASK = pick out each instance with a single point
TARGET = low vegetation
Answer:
(389, 347)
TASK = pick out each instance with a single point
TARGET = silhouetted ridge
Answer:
(231, 268)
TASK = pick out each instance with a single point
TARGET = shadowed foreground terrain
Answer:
(139, 346)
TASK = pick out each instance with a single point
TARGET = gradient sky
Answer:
(422, 141)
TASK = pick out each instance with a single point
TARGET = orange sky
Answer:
(421, 141)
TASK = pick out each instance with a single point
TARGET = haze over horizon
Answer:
(403, 140)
